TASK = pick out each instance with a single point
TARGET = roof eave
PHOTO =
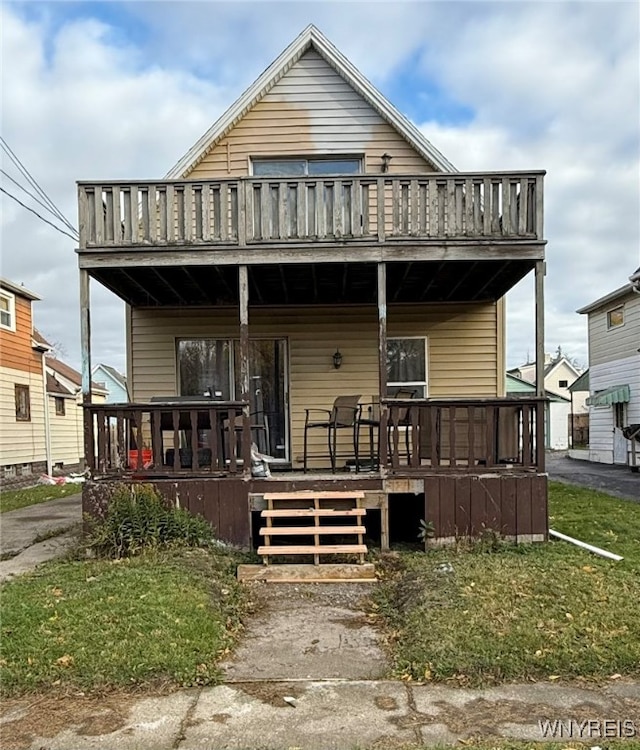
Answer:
(21, 291)
(611, 297)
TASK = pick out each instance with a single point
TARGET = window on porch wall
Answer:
(407, 366)
(213, 366)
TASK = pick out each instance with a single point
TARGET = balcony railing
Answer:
(212, 438)
(239, 212)
(166, 438)
(464, 435)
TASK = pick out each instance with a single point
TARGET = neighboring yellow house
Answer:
(314, 244)
(33, 440)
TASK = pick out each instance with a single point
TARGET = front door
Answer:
(212, 367)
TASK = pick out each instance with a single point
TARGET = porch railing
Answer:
(464, 434)
(243, 211)
(211, 437)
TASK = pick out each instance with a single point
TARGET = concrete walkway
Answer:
(19, 530)
(322, 715)
(619, 481)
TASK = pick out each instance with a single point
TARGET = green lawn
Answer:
(14, 499)
(165, 616)
(543, 611)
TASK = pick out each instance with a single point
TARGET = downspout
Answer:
(47, 425)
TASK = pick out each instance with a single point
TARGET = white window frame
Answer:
(413, 383)
(313, 157)
(11, 311)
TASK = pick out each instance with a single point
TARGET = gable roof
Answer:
(552, 366)
(118, 377)
(518, 387)
(310, 38)
(39, 342)
(73, 376)
(55, 387)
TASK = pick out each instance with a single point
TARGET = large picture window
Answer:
(407, 366)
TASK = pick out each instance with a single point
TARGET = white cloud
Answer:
(551, 86)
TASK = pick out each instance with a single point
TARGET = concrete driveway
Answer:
(19, 530)
(619, 481)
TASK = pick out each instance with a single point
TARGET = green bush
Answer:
(138, 518)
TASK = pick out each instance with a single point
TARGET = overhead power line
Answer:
(46, 221)
(33, 182)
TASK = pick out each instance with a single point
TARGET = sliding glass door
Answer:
(212, 366)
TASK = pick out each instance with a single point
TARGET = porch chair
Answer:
(402, 420)
(342, 416)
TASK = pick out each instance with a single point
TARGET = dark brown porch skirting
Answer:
(460, 505)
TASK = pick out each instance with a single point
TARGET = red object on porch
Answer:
(147, 458)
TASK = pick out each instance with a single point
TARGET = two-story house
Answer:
(614, 372)
(312, 245)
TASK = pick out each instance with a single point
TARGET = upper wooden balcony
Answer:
(492, 208)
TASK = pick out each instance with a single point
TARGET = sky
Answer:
(121, 90)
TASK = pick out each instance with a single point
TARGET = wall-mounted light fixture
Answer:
(337, 359)
(386, 158)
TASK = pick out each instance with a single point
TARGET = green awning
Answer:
(617, 394)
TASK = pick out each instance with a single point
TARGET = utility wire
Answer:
(31, 195)
(46, 221)
(53, 208)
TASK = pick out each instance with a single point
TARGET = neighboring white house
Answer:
(614, 371)
(559, 375)
(114, 383)
(557, 412)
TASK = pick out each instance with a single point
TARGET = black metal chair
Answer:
(400, 418)
(342, 416)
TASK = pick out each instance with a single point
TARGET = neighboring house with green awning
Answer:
(614, 371)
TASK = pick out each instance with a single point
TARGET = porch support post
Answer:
(540, 390)
(85, 351)
(382, 359)
(243, 284)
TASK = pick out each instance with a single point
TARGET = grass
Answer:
(41, 493)
(163, 616)
(531, 612)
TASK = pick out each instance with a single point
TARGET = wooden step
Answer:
(311, 512)
(313, 549)
(310, 530)
(311, 495)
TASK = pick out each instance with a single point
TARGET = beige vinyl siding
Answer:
(21, 442)
(310, 111)
(608, 345)
(462, 349)
(66, 432)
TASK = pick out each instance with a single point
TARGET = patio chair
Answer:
(342, 416)
(401, 420)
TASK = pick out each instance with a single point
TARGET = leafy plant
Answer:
(138, 518)
(426, 531)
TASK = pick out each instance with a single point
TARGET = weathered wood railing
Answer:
(239, 212)
(170, 438)
(464, 435)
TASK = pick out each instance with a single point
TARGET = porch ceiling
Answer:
(314, 283)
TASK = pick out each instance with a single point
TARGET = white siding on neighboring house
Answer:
(66, 432)
(21, 442)
(601, 418)
(559, 412)
(611, 344)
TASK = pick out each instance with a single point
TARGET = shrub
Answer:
(138, 518)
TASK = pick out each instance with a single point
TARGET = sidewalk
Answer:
(19, 530)
(322, 715)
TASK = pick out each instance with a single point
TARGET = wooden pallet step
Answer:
(313, 549)
(310, 530)
(304, 494)
(311, 512)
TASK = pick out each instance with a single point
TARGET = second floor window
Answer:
(7, 311)
(303, 167)
(615, 317)
(23, 404)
